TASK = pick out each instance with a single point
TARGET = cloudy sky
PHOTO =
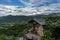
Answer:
(28, 7)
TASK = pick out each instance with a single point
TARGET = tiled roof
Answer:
(38, 21)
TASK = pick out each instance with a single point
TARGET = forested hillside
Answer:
(52, 24)
(15, 25)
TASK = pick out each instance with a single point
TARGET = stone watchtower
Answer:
(36, 32)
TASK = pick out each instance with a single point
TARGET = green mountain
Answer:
(20, 18)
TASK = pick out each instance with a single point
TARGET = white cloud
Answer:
(15, 10)
(31, 3)
(38, 2)
(6, 10)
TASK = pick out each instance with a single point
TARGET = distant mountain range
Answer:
(11, 18)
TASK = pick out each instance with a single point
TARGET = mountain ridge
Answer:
(11, 18)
